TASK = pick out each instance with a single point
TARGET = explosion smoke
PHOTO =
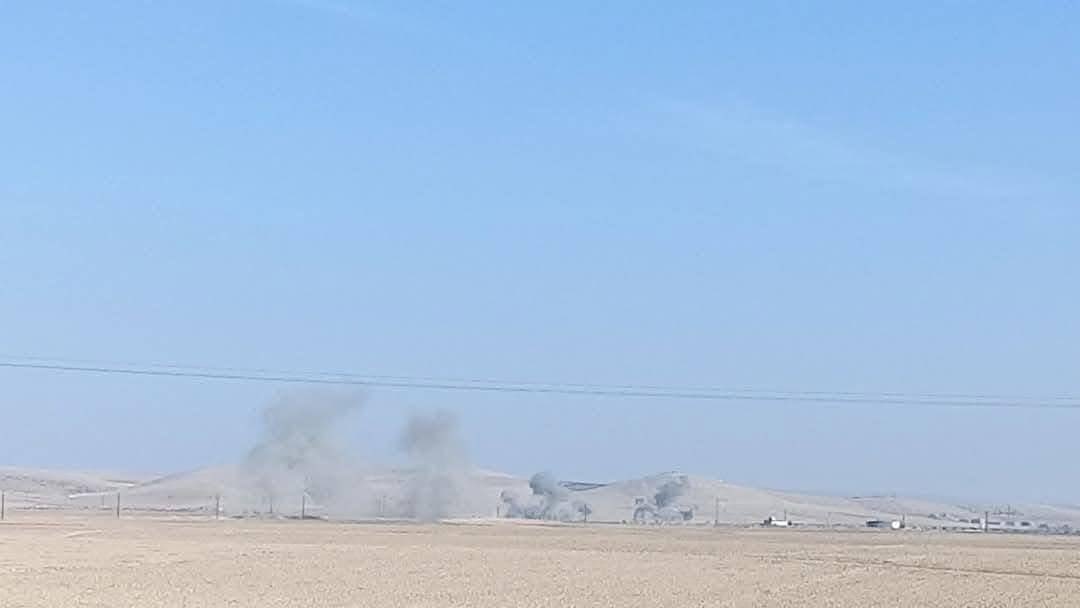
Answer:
(297, 452)
(433, 443)
(553, 501)
(670, 490)
(550, 492)
(662, 508)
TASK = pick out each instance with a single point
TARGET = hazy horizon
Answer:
(776, 197)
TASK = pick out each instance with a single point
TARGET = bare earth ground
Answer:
(49, 559)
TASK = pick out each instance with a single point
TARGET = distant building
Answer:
(777, 523)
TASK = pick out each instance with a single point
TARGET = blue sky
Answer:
(801, 196)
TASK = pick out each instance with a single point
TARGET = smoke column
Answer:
(663, 507)
(550, 492)
(297, 452)
(670, 491)
(434, 445)
(553, 503)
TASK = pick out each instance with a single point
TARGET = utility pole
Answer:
(716, 513)
(3, 505)
(303, 506)
(217, 506)
(117, 505)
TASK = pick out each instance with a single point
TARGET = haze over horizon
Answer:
(841, 198)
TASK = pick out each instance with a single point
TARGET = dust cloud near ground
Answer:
(304, 460)
(300, 453)
(440, 465)
(53, 560)
(304, 463)
(549, 500)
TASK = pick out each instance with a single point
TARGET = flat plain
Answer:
(56, 559)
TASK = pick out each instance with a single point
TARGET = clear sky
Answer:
(801, 196)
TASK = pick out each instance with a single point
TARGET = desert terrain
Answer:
(55, 558)
(223, 536)
(388, 493)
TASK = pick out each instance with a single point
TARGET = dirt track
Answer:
(48, 561)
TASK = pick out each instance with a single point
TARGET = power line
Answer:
(338, 377)
(402, 382)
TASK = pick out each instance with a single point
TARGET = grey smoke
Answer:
(547, 487)
(438, 454)
(298, 452)
(663, 506)
(515, 508)
(670, 491)
(550, 500)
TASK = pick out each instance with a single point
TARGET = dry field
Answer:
(49, 560)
